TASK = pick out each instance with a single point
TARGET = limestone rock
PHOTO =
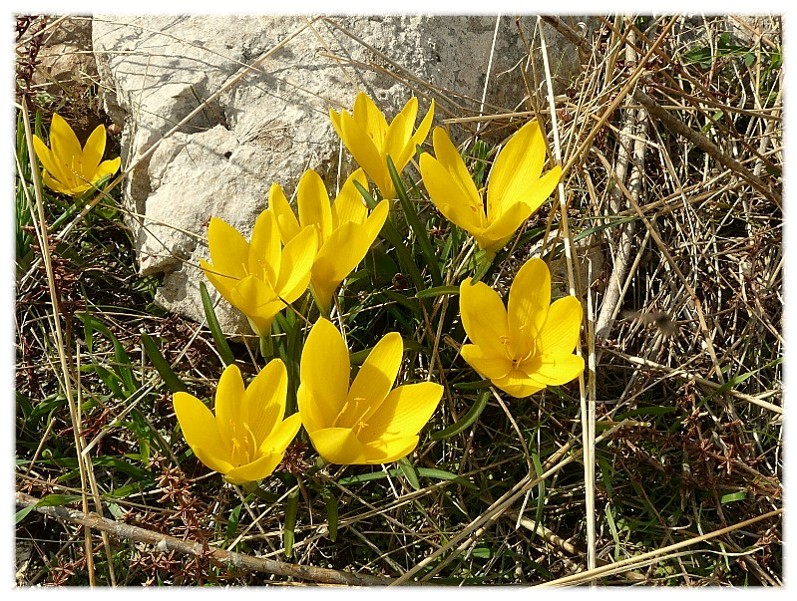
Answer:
(261, 88)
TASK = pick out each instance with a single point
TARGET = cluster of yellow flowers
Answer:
(520, 348)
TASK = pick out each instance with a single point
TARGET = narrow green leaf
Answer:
(235, 517)
(732, 497)
(467, 420)
(171, 379)
(291, 505)
(389, 232)
(414, 221)
(438, 291)
(23, 513)
(332, 513)
(409, 472)
(215, 329)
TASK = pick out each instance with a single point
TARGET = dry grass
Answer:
(662, 467)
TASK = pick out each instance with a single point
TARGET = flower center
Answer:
(244, 444)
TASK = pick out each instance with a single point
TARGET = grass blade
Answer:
(414, 221)
(215, 328)
(171, 379)
(467, 420)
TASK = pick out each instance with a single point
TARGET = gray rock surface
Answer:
(270, 123)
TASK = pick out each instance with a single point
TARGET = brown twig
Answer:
(164, 542)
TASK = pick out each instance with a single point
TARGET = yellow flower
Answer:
(367, 135)
(344, 230)
(247, 437)
(369, 422)
(529, 346)
(259, 277)
(515, 189)
(68, 168)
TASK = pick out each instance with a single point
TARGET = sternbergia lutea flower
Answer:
(516, 188)
(366, 422)
(69, 168)
(370, 139)
(345, 231)
(247, 437)
(259, 277)
(527, 346)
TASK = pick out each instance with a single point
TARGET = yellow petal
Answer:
(265, 256)
(57, 186)
(286, 221)
(483, 317)
(313, 203)
(450, 159)
(229, 251)
(423, 129)
(403, 413)
(517, 167)
(376, 220)
(93, 151)
(261, 468)
(106, 168)
(255, 298)
(399, 135)
(560, 332)
(387, 450)
(200, 431)
(337, 258)
(374, 380)
(518, 384)
(229, 401)
(501, 231)
(450, 197)
(212, 461)
(363, 149)
(297, 261)
(338, 445)
(222, 283)
(264, 400)
(324, 376)
(540, 190)
(529, 300)
(282, 435)
(371, 120)
(488, 366)
(50, 163)
(349, 205)
(66, 147)
(555, 370)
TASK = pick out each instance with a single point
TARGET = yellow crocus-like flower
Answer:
(529, 345)
(344, 230)
(259, 277)
(367, 422)
(370, 139)
(247, 437)
(515, 190)
(69, 168)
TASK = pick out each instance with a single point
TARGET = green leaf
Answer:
(467, 420)
(732, 497)
(291, 506)
(391, 234)
(171, 379)
(409, 472)
(414, 221)
(332, 513)
(213, 325)
(23, 513)
(235, 517)
(438, 291)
